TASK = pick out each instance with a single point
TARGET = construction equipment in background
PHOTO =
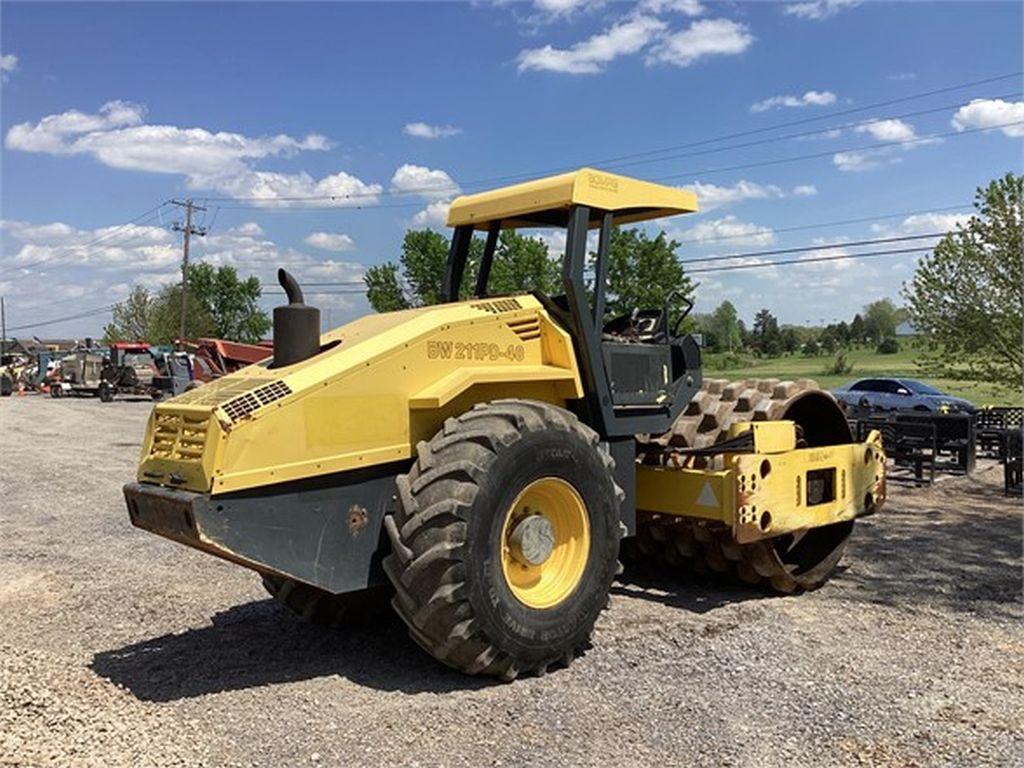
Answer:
(132, 369)
(79, 373)
(486, 457)
(218, 357)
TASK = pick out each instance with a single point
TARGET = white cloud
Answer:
(805, 190)
(87, 268)
(988, 113)
(686, 7)
(434, 215)
(888, 130)
(589, 56)
(729, 228)
(856, 161)
(891, 130)
(427, 131)
(923, 223)
(249, 228)
(809, 98)
(143, 248)
(330, 241)
(432, 184)
(901, 76)
(707, 37)
(50, 134)
(816, 10)
(222, 161)
(272, 190)
(711, 196)
(8, 64)
(556, 8)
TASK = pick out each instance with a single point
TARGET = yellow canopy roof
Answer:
(546, 202)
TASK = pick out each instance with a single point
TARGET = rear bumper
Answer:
(328, 536)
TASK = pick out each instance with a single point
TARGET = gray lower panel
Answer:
(329, 535)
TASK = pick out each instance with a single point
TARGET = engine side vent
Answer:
(245, 405)
(497, 306)
(527, 329)
(179, 436)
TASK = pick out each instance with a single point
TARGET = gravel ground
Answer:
(121, 649)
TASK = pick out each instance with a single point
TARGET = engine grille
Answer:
(497, 306)
(244, 405)
(526, 329)
(179, 436)
(238, 397)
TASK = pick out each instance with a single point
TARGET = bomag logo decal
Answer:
(480, 350)
(601, 181)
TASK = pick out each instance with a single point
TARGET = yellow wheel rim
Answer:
(559, 514)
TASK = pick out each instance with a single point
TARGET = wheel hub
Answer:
(533, 540)
(545, 543)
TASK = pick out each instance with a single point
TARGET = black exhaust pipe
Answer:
(296, 326)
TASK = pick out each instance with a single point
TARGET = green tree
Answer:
(165, 317)
(229, 302)
(643, 272)
(424, 256)
(966, 299)
(383, 289)
(523, 264)
(880, 320)
(725, 324)
(790, 340)
(130, 319)
(857, 334)
(768, 339)
(417, 280)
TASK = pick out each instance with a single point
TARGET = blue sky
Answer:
(109, 110)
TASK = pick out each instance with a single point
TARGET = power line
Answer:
(80, 315)
(802, 121)
(803, 134)
(113, 233)
(647, 153)
(268, 203)
(789, 262)
(819, 247)
(839, 223)
(867, 148)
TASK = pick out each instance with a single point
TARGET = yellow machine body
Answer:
(532, 203)
(380, 384)
(776, 489)
(295, 470)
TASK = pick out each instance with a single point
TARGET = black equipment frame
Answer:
(584, 323)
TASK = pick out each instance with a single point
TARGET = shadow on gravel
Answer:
(694, 594)
(260, 643)
(955, 547)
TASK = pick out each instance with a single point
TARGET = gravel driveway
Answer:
(121, 649)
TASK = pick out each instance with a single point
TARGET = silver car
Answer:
(899, 395)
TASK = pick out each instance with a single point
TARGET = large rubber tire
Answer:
(325, 609)
(787, 564)
(447, 540)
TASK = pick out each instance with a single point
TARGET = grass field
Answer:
(866, 362)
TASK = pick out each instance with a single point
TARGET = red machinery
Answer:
(217, 357)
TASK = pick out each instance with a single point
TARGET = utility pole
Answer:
(3, 327)
(188, 230)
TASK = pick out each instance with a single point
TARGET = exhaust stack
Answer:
(296, 326)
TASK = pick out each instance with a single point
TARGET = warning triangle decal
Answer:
(707, 496)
